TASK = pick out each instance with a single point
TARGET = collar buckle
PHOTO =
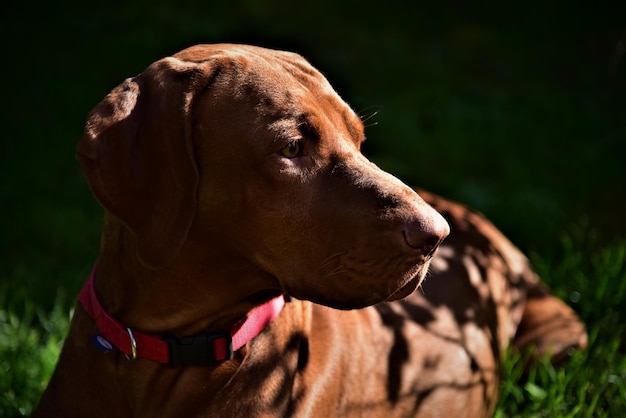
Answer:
(202, 349)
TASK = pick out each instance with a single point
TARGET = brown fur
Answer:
(206, 217)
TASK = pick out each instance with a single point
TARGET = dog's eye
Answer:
(292, 150)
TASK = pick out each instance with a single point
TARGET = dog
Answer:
(255, 264)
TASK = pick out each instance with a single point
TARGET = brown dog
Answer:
(231, 175)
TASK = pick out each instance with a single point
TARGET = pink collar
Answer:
(200, 349)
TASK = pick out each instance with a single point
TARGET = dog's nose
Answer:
(427, 232)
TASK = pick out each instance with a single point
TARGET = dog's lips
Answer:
(354, 281)
(405, 290)
(410, 286)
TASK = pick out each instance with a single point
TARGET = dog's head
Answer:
(252, 149)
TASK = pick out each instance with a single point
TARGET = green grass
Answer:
(515, 108)
(30, 343)
(593, 383)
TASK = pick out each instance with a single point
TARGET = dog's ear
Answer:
(138, 158)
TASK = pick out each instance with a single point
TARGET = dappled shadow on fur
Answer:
(276, 391)
(460, 286)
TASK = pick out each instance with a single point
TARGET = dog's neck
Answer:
(198, 291)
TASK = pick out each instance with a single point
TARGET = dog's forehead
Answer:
(277, 81)
(295, 87)
(265, 65)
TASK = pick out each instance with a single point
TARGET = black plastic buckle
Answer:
(199, 349)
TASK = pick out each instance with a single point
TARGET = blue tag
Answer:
(102, 343)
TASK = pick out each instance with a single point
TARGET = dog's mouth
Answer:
(411, 285)
(352, 297)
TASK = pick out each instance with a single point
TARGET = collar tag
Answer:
(102, 343)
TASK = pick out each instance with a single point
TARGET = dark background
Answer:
(517, 108)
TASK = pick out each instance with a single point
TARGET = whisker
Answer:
(369, 115)
(329, 260)
(337, 270)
